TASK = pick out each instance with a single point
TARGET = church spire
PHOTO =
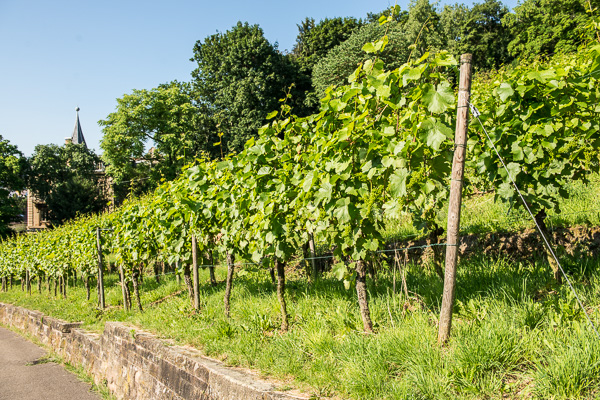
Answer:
(77, 137)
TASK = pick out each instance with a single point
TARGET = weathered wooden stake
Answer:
(196, 281)
(28, 282)
(458, 166)
(100, 270)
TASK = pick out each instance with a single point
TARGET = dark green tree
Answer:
(342, 60)
(479, 31)
(546, 27)
(65, 178)
(423, 28)
(315, 40)
(163, 119)
(240, 79)
(76, 196)
(13, 169)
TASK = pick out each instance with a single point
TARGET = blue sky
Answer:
(57, 55)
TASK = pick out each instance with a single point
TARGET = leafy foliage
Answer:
(13, 169)
(419, 27)
(546, 27)
(239, 79)
(342, 60)
(479, 31)
(544, 120)
(379, 147)
(163, 118)
(64, 177)
(315, 40)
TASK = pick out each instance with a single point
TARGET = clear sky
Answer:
(57, 55)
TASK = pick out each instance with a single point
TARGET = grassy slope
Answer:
(514, 332)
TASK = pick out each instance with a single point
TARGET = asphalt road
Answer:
(21, 378)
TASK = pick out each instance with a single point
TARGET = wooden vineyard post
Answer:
(458, 167)
(196, 282)
(27, 282)
(100, 271)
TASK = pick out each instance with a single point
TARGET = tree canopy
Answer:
(342, 60)
(479, 31)
(546, 27)
(13, 168)
(419, 27)
(163, 118)
(239, 79)
(315, 40)
(64, 178)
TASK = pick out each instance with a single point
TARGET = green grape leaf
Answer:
(504, 91)
(369, 48)
(436, 132)
(514, 169)
(411, 75)
(339, 270)
(342, 212)
(398, 182)
(439, 98)
(506, 191)
(517, 151)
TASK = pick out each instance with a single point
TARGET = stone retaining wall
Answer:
(137, 365)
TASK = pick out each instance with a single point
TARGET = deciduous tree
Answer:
(163, 118)
(314, 40)
(420, 27)
(546, 27)
(240, 79)
(479, 31)
(13, 167)
(64, 177)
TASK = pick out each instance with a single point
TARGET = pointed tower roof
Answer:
(77, 136)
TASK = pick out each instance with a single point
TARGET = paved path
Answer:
(22, 379)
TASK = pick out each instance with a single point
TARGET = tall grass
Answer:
(515, 333)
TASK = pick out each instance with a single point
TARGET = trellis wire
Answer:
(321, 257)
